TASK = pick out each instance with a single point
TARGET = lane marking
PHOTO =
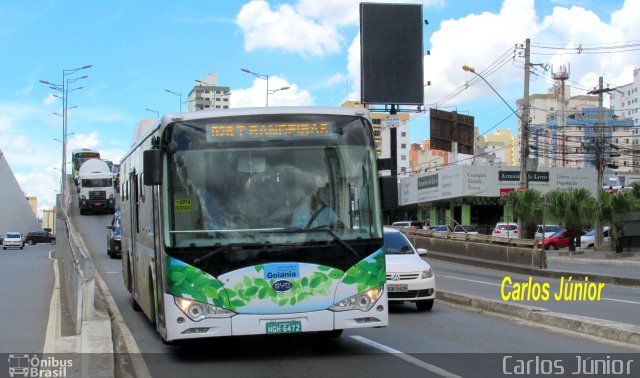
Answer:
(619, 300)
(406, 357)
(494, 284)
(466, 279)
(111, 272)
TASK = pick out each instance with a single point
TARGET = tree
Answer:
(527, 208)
(613, 208)
(574, 209)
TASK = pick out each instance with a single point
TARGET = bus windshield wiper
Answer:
(335, 237)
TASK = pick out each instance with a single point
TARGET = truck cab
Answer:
(95, 187)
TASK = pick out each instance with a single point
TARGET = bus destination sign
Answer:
(232, 131)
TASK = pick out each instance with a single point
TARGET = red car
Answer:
(556, 241)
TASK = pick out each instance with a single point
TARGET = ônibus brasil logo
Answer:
(26, 365)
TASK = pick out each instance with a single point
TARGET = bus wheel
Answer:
(134, 305)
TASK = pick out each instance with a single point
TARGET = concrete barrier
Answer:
(482, 247)
(75, 274)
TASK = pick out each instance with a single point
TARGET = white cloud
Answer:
(353, 68)
(284, 28)
(256, 96)
(50, 100)
(336, 79)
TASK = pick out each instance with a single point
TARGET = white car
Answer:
(506, 230)
(549, 229)
(409, 277)
(13, 240)
(588, 240)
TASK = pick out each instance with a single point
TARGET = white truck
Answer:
(95, 187)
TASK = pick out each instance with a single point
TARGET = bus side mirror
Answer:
(152, 165)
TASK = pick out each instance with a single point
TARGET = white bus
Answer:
(254, 221)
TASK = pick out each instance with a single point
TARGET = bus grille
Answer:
(98, 196)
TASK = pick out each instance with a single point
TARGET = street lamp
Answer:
(176, 94)
(154, 111)
(64, 89)
(523, 139)
(259, 76)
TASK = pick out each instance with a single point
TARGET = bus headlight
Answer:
(427, 274)
(362, 301)
(197, 311)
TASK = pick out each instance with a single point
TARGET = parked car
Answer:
(549, 229)
(505, 230)
(440, 228)
(556, 241)
(35, 237)
(588, 240)
(465, 229)
(414, 225)
(409, 277)
(12, 240)
(114, 237)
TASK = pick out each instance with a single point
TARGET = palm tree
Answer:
(613, 208)
(526, 207)
(574, 209)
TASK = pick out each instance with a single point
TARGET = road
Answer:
(415, 344)
(618, 303)
(27, 283)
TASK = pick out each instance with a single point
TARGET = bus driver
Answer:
(313, 212)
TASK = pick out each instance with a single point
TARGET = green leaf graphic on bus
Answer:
(187, 281)
(191, 282)
(368, 273)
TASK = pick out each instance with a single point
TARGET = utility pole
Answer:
(524, 121)
(524, 133)
(599, 153)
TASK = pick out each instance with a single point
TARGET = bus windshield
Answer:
(270, 179)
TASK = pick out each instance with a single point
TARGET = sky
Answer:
(138, 49)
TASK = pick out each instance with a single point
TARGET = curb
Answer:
(579, 260)
(621, 332)
(524, 269)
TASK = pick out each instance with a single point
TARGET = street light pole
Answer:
(259, 76)
(524, 137)
(176, 94)
(65, 90)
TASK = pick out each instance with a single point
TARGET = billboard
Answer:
(447, 127)
(391, 58)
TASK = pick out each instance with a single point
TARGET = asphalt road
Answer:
(415, 344)
(27, 285)
(617, 303)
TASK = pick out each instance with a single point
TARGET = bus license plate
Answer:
(292, 326)
(396, 288)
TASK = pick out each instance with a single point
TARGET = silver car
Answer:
(13, 240)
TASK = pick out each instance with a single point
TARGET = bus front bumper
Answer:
(179, 326)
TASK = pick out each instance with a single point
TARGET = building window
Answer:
(403, 134)
(403, 145)
(403, 157)
(377, 121)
